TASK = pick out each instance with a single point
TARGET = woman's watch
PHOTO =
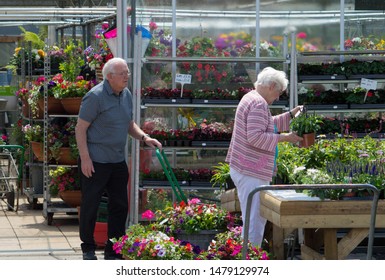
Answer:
(144, 136)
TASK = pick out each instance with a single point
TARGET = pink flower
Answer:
(152, 26)
(148, 214)
(301, 35)
(193, 201)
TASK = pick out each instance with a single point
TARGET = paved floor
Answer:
(26, 235)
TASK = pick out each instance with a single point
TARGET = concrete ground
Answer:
(25, 235)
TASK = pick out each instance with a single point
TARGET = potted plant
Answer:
(97, 57)
(34, 136)
(64, 181)
(306, 125)
(144, 243)
(36, 98)
(221, 176)
(228, 246)
(71, 93)
(62, 142)
(194, 222)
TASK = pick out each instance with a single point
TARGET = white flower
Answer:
(161, 253)
(299, 169)
(302, 90)
(265, 45)
(158, 247)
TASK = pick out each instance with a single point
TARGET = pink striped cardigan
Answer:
(253, 143)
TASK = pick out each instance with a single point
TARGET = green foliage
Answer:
(221, 175)
(192, 217)
(335, 161)
(145, 243)
(32, 37)
(73, 61)
(306, 123)
(63, 179)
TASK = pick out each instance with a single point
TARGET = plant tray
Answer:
(210, 143)
(367, 76)
(321, 77)
(201, 184)
(166, 101)
(327, 106)
(366, 106)
(280, 103)
(159, 183)
(215, 101)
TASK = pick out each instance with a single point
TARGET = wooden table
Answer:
(320, 220)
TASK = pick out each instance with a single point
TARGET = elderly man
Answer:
(104, 122)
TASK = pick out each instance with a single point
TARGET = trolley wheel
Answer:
(11, 200)
(34, 202)
(49, 218)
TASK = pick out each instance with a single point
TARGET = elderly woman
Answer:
(253, 148)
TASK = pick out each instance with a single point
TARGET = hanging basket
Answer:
(37, 149)
(54, 106)
(71, 105)
(66, 157)
(71, 198)
(201, 238)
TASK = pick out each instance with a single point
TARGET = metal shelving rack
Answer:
(50, 207)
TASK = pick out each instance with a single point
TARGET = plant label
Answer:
(368, 85)
(183, 79)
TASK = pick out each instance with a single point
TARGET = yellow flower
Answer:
(41, 53)
(17, 50)
(380, 45)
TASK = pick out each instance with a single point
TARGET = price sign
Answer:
(183, 79)
(368, 85)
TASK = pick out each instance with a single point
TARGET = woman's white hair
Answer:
(269, 76)
(109, 66)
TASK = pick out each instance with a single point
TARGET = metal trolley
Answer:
(11, 174)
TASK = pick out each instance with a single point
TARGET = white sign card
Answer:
(368, 85)
(183, 79)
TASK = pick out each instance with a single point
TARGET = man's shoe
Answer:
(89, 256)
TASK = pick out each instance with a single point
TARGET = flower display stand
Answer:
(319, 219)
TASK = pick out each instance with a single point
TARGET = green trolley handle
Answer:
(170, 176)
